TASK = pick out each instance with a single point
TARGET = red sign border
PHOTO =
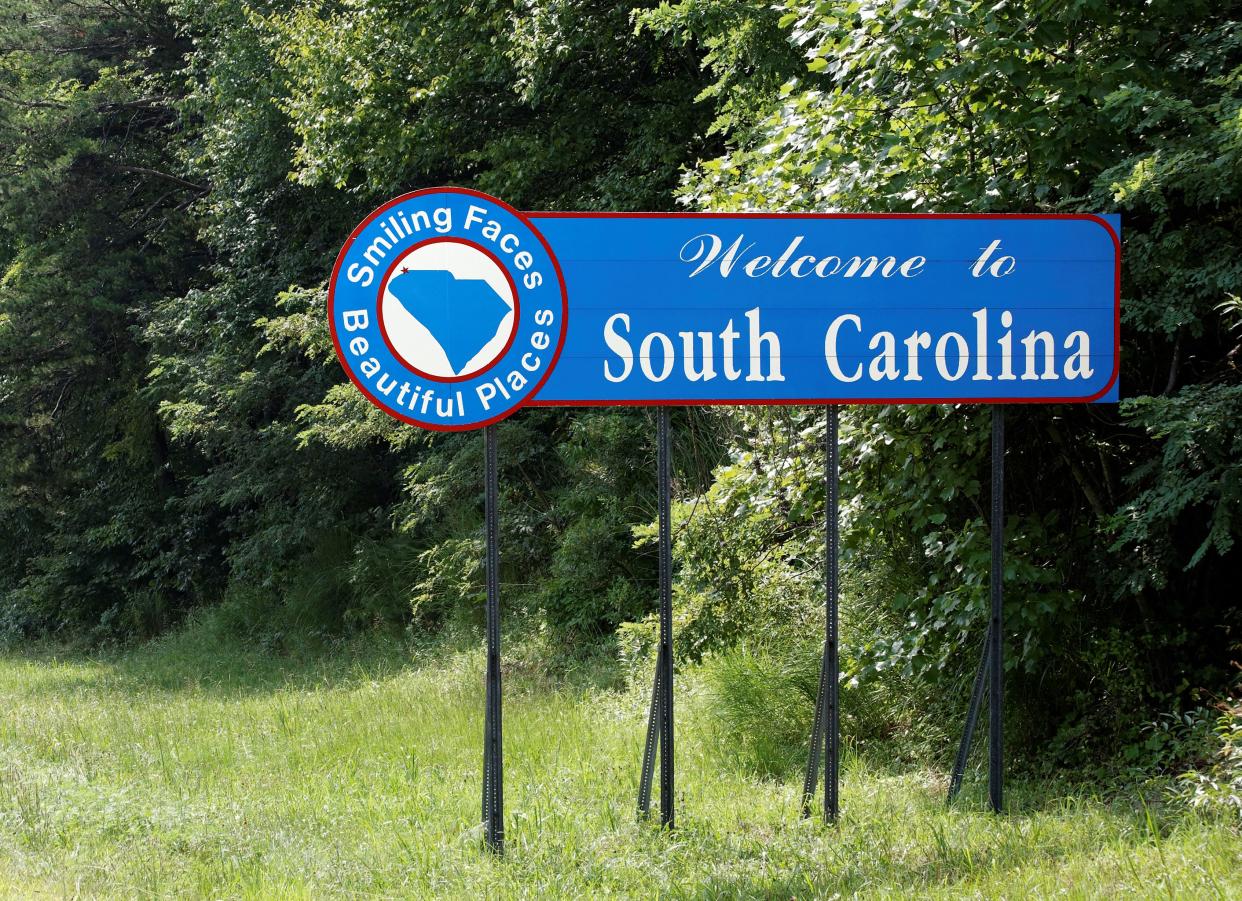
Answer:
(534, 401)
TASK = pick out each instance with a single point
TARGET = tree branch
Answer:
(142, 170)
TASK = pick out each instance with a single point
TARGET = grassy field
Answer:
(196, 768)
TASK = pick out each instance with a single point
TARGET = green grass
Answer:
(195, 767)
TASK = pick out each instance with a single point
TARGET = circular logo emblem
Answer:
(447, 309)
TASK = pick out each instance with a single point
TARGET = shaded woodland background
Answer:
(177, 439)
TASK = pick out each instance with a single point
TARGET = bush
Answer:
(1216, 788)
(762, 700)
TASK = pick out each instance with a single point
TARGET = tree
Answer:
(94, 229)
(1123, 524)
(309, 116)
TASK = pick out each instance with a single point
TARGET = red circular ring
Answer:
(517, 310)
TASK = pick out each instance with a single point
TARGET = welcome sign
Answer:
(451, 310)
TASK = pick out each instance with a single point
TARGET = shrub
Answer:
(1217, 787)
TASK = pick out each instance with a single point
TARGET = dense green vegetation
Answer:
(176, 177)
(201, 767)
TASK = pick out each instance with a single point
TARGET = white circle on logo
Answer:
(447, 309)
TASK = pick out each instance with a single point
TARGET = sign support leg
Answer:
(493, 757)
(660, 717)
(650, 745)
(665, 663)
(832, 764)
(811, 780)
(989, 677)
(972, 717)
(996, 646)
(827, 726)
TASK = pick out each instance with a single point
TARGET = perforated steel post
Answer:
(817, 738)
(832, 724)
(972, 717)
(996, 644)
(650, 746)
(493, 748)
(665, 688)
(660, 716)
(826, 730)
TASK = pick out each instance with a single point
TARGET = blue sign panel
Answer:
(701, 309)
(450, 310)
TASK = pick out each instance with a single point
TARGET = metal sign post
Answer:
(826, 731)
(660, 717)
(493, 749)
(996, 644)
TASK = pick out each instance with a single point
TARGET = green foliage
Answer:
(93, 232)
(596, 579)
(1121, 529)
(1198, 473)
(762, 700)
(1217, 787)
(545, 102)
(914, 557)
(742, 45)
(522, 101)
(176, 177)
(179, 431)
